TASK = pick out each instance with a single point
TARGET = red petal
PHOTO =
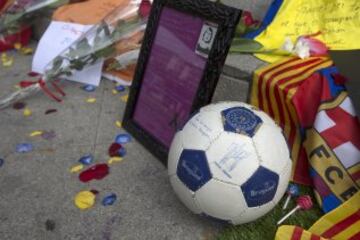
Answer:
(145, 8)
(114, 149)
(97, 172)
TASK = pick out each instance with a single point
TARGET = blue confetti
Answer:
(123, 138)
(87, 159)
(1, 162)
(109, 200)
(120, 88)
(89, 88)
(122, 152)
(24, 147)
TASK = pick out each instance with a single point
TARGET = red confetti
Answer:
(33, 74)
(94, 191)
(114, 149)
(98, 172)
(49, 111)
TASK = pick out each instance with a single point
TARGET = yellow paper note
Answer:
(338, 21)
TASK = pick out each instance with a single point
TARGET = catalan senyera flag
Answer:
(273, 89)
(343, 223)
(289, 232)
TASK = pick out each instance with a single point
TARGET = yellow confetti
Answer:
(6, 60)
(17, 46)
(118, 124)
(36, 133)
(17, 87)
(27, 112)
(114, 92)
(85, 199)
(91, 100)
(26, 50)
(124, 98)
(114, 159)
(76, 168)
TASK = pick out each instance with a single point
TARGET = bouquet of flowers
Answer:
(20, 13)
(122, 30)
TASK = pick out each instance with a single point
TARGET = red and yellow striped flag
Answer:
(272, 91)
(288, 232)
(343, 223)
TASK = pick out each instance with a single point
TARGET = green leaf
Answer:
(244, 45)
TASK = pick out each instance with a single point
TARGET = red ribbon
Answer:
(42, 84)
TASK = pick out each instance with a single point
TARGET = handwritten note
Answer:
(58, 37)
(337, 20)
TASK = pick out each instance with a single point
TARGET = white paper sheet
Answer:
(58, 37)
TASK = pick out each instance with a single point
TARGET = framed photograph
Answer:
(184, 49)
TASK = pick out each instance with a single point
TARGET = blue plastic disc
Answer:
(109, 199)
(123, 138)
(1, 162)
(122, 152)
(89, 88)
(120, 88)
(87, 159)
(24, 147)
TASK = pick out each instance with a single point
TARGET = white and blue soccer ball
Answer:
(230, 162)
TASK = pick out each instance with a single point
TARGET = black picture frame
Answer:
(225, 18)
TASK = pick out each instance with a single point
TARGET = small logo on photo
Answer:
(206, 39)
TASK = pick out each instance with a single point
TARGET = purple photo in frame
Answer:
(184, 49)
(173, 74)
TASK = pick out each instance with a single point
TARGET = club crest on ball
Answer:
(240, 120)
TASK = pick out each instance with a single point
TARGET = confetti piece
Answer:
(2, 161)
(27, 112)
(19, 105)
(114, 159)
(24, 147)
(87, 160)
(91, 100)
(17, 87)
(84, 200)
(118, 124)
(120, 88)
(33, 74)
(36, 133)
(114, 149)
(114, 92)
(109, 199)
(7, 61)
(89, 88)
(17, 46)
(94, 191)
(49, 111)
(123, 138)
(124, 98)
(48, 135)
(76, 168)
(97, 172)
(26, 50)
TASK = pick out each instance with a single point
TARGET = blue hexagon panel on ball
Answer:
(240, 120)
(260, 188)
(193, 169)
